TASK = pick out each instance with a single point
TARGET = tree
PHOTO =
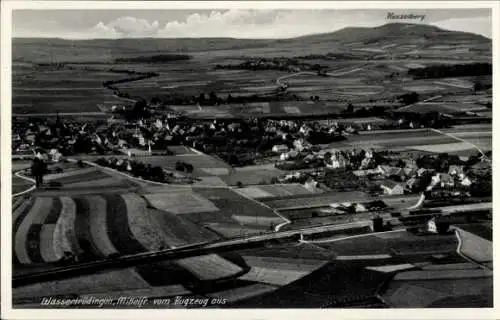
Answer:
(350, 108)
(201, 98)
(409, 98)
(239, 184)
(38, 170)
(188, 168)
(212, 97)
(157, 174)
(179, 166)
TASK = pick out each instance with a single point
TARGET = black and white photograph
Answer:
(254, 157)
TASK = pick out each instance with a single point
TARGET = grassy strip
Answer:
(147, 232)
(98, 226)
(65, 239)
(47, 247)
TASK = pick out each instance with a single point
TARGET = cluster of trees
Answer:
(345, 180)
(38, 170)
(300, 165)
(184, 167)
(137, 169)
(238, 159)
(433, 119)
(322, 137)
(155, 58)
(213, 99)
(408, 98)
(457, 70)
(282, 64)
(441, 163)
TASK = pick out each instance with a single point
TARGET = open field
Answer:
(203, 164)
(61, 90)
(404, 242)
(251, 176)
(266, 191)
(317, 200)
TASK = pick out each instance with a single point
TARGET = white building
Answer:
(392, 188)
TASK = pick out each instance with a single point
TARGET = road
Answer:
(331, 74)
(177, 253)
(411, 105)
(33, 187)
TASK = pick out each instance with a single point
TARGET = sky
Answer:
(112, 24)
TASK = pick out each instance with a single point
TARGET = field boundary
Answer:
(461, 140)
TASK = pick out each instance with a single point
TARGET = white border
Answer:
(254, 314)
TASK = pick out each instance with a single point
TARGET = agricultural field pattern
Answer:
(349, 169)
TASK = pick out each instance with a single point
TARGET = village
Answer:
(301, 149)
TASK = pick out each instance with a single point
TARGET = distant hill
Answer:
(392, 38)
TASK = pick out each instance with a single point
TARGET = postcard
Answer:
(248, 159)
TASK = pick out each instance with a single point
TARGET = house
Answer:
(456, 170)
(435, 179)
(410, 172)
(391, 187)
(295, 175)
(446, 180)
(438, 225)
(337, 160)
(466, 182)
(411, 183)
(359, 208)
(301, 145)
(390, 171)
(280, 148)
(311, 184)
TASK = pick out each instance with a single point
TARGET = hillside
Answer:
(393, 38)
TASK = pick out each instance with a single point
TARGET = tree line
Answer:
(457, 70)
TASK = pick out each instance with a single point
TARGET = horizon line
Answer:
(263, 39)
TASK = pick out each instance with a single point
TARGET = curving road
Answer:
(33, 187)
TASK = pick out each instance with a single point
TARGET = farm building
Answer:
(337, 160)
(391, 187)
